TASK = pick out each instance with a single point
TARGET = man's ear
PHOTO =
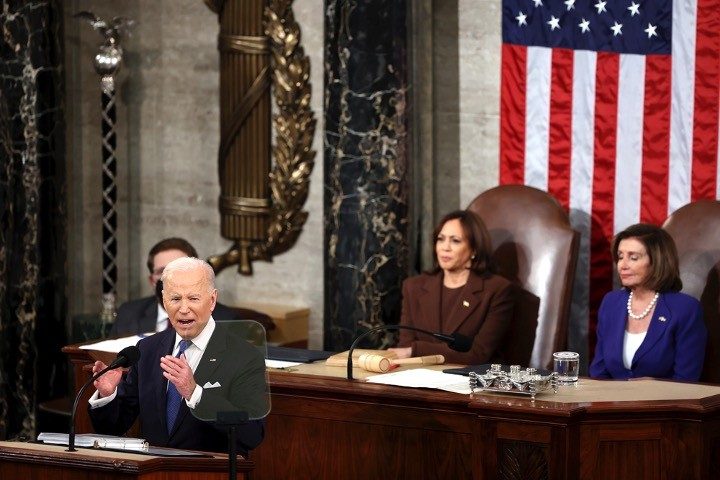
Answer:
(159, 292)
(214, 295)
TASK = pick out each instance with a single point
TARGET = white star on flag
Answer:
(554, 22)
(584, 26)
(651, 30)
(601, 6)
(617, 29)
(538, 2)
(570, 4)
(521, 18)
(634, 9)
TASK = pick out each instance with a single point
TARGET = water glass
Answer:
(567, 366)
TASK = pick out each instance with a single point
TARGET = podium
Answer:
(33, 461)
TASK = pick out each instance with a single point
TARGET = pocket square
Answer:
(211, 385)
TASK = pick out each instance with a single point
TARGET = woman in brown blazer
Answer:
(460, 295)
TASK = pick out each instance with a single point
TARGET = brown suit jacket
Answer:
(490, 300)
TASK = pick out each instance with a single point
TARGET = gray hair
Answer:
(186, 264)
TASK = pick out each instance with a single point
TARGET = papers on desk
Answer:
(93, 440)
(115, 345)
(424, 378)
(280, 363)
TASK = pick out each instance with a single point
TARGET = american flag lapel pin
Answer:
(662, 319)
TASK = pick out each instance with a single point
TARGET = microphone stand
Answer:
(71, 435)
(232, 420)
(127, 357)
(445, 338)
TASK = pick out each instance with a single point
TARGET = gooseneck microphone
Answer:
(127, 357)
(456, 341)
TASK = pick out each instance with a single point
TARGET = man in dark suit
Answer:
(147, 314)
(197, 366)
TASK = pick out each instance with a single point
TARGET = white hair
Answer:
(186, 264)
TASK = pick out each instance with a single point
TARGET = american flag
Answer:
(612, 107)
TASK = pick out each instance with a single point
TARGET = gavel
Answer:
(380, 364)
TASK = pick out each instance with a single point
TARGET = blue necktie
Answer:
(173, 396)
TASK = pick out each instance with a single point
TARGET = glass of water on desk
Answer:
(566, 366)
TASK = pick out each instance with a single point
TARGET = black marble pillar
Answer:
(32, 213)
(366, 167)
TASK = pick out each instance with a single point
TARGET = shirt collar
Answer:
(203, 338)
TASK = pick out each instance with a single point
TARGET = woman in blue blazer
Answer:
(648, 328)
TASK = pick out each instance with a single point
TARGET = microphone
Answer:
(456, 341)
(127, 357)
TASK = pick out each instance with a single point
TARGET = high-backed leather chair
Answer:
(535, 246)
(696, 231)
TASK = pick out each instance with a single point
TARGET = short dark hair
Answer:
(172, 243)
(664, 264)
(477, 236)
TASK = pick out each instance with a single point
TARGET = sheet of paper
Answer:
(114, 345)
(280, 364)
(424, 378)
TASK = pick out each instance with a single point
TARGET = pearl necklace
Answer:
(644, 313)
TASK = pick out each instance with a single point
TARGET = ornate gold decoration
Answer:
(294, 126)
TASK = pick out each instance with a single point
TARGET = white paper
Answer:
(115, 345)
(424, 378)
(280, 363)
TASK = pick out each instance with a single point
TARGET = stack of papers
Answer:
(425, 378)
(114, 345)
(93, 440)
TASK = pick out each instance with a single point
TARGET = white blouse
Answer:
(631, 343)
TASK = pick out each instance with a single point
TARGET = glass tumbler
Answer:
(567, 366)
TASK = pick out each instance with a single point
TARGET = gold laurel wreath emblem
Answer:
(294, 130)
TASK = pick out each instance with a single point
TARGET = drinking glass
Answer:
(567, 366)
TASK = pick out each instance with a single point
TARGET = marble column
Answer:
(366, 167)
(32, 213)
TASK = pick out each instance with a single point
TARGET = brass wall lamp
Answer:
(261, 200)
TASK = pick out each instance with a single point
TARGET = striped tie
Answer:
(173, 396)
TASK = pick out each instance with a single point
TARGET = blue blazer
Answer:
(674, 346)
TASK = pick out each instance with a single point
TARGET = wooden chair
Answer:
(534, 246)
(695, 228)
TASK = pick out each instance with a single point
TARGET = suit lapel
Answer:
(658, 324)
(165, 348)
(430, 303)
(213, 356)
(470, 298)
(616, 329)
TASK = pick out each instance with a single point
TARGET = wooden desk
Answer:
(324, 426)
(30, 461)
